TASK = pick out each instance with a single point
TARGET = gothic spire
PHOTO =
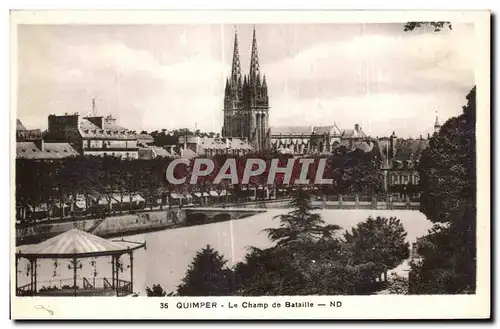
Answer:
(264, 86)
(227, 90)
(236, 68)
(254, 60)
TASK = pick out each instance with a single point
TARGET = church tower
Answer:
(246, 102)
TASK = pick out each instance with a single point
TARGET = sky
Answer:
(153, 77)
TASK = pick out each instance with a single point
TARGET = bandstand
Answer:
(73, 246)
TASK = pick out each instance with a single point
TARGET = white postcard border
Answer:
(353, 307)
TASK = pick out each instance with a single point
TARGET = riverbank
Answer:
(118, 226)
(157, 220)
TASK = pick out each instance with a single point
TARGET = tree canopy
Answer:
(380, 240)
(207, 275)
(448, 180)
(301, 224)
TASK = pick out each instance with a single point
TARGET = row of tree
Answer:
(64, 181)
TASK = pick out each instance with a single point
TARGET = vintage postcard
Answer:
(250, 165)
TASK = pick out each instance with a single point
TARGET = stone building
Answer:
(246, 102)
(30, 145)
(400, 159)
(302, 140)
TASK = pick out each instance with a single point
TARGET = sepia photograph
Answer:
(249, 160)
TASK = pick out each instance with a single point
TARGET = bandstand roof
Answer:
(77, 243)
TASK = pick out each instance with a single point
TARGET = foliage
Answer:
(398, 285)
(354, 172)
(155, 291)
(63, 182)
(301, 224)
(448, 180)
(381, 241)
(207, 275)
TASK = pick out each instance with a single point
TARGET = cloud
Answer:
(171, 77)
(376, 59)
(127, 83)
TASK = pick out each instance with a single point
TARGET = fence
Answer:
(84, 287)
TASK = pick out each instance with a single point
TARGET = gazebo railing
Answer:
(84, 286)
(124, 288)
(24, 290)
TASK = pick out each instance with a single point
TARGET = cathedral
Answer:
(246, 102)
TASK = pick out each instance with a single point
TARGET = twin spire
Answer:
(254, 60)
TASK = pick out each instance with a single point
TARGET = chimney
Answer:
(392, 142)
(98, 121)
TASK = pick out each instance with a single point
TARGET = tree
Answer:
(438, 26)
(448, 181)
(207, 275)
(269, 272)
(398, 285)
(381, 241)
(301, 224)
(311, 268)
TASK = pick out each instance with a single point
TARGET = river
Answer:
(170, 252)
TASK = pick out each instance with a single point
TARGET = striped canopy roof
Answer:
(77, 243)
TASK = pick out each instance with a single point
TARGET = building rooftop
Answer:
(29, 150)
(333, 130)
(410, 149)
(291, 130)
(145, 137)
(110, 130)
(19, 125)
